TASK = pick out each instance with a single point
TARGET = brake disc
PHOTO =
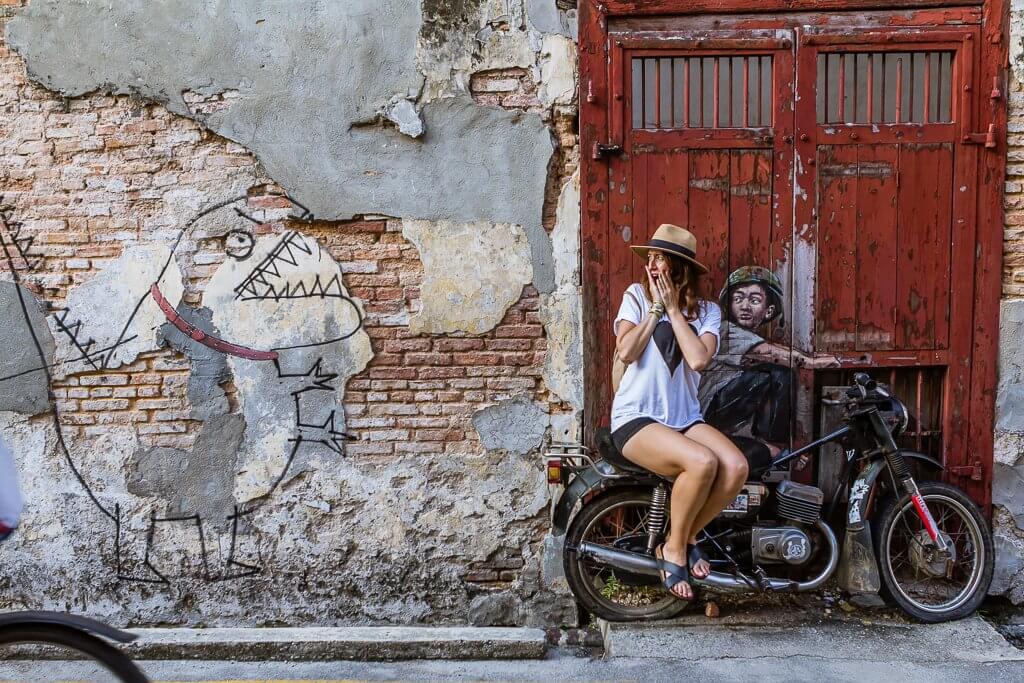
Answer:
(926, 557)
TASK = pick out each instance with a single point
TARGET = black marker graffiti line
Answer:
(315, 425)
(54, 412)
(73, 331)
(257, 284)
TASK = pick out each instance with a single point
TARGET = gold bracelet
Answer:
(658, 310)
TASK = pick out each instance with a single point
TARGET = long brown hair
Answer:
(687, 278)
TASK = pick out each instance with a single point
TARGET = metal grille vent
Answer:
(799, 502)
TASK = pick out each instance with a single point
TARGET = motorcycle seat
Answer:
(610, 453)
(759, 458)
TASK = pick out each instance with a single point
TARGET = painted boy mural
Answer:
(747, 389)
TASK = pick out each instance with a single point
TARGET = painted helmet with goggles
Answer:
(754, 275)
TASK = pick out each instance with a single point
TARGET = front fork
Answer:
(901, 472)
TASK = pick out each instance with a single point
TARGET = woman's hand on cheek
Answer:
(655, 291)
(669, 292)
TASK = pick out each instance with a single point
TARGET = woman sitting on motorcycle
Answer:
(668, 335)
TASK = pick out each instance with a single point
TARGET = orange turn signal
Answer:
(554, 471)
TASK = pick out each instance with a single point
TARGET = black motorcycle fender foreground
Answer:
(68, 620)
(858, 568)
(589, 482)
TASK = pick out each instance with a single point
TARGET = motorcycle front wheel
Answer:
(924, 583)
(619, 520)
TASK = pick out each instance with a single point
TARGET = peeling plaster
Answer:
(196, 482)
(557, 71)
(517, 425)
(473, 272)
(1017, 39)
(208, 368)
(1008, 470)
(105, 305)
(29, 393)
(562, 310)
(305, 76)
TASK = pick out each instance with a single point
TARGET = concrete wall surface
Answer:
(287, 271)
(1008, 472)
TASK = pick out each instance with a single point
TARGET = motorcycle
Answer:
(924, 545)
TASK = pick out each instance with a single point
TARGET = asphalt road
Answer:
(766, 669)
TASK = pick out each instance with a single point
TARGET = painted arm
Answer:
(783, 355)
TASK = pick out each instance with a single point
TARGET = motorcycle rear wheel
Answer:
(598, 588)
(902, 542)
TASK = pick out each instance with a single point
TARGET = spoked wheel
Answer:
(22, 645)
(618, 520)
(926, 583)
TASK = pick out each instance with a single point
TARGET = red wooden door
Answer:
(885, 229)
(844, 160)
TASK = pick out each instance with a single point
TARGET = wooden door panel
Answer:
(750, 208)
(877, 247)
(836, 319)
(709, 207)
(924, 239)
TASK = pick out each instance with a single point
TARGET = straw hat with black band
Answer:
(671, 239)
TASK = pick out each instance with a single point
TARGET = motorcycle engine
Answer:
(787, 545)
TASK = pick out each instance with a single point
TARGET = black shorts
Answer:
(624, 433)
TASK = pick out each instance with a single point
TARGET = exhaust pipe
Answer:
(645, 564)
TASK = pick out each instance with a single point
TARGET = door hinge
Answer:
(602, 150)
(988, 139)
(972, 471)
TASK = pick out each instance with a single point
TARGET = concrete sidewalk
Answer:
(969, 641)
(354, 643)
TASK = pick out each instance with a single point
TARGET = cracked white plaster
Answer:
(106, 306)
(557, 70)
(402, 112)
(472, 273)
(282, 315)
(561, 311)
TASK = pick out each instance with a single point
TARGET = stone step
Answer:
(356, 643)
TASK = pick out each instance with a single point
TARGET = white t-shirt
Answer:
(659, 384)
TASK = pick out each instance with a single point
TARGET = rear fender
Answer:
(585, 484)
(67, 620)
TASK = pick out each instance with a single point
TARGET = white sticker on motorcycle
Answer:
(857, 493)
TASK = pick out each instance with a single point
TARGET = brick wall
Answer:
(1013, 244)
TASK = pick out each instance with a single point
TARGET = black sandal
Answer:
(673, 574)
(694, 554)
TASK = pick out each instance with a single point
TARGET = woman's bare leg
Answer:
(669, 453)
(731, 474)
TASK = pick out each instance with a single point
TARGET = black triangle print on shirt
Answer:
(665, 339)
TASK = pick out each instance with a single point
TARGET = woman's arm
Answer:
(631, 339)
(697, 351)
